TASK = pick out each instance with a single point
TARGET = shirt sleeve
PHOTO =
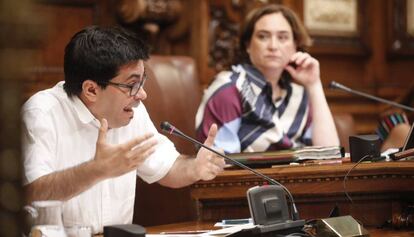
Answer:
(224, 109)
(307, 134)
(160, 162)
(38, 143)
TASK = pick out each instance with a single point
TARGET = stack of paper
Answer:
(288, 156)
(319, 152)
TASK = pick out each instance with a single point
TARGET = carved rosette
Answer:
(156, 11)
(224, 26)
(162, 19)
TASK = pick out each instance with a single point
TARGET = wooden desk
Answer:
(378, 190)
(186, 226)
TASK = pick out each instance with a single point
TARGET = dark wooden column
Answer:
(20, 33)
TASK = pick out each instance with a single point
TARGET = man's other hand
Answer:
(116, 160)
(208, 164)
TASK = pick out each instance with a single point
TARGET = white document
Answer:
(216, 233)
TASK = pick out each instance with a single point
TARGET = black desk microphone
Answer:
(167, 127)
(336, 85)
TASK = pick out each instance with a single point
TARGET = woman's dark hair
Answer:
(300, 35)
(97, 53)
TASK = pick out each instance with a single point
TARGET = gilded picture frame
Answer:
(336, 26)
(331, 17)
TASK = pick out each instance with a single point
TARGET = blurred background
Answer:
(367, 45)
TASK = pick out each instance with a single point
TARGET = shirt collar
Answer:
(256, 77)
(84, 115)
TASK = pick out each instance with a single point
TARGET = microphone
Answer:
(167, 127)
(336, 85)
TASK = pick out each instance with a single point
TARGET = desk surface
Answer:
(187, 226)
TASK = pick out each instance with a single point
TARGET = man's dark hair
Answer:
(300, 35)
(97, 53)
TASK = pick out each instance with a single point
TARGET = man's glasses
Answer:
(134, 88)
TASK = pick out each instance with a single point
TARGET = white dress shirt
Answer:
(59, 132)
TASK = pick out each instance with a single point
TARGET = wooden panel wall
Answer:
(369, 62)
(376, 65)
(60, 19)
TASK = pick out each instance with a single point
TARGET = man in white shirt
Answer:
(87, 138)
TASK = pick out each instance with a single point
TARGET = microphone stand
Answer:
(167, 127)
(336, 85)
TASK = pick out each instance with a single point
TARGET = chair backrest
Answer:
(174, 95)
(345, 127)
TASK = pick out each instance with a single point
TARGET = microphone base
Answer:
(124, 230)
(282, 228)
(271, 230)
(343, 226)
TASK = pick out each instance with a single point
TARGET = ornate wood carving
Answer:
(158, 11)
(222, 38)
(159, 21)
(225, 21)
(319, 180)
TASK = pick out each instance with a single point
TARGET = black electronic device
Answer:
(267, 205)
(270, 195)
(269, 210)
(364, 146)
(127, 230)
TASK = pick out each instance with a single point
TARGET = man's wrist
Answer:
(96, 169)
(195, 170)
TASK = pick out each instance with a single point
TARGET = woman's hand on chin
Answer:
(304, 69)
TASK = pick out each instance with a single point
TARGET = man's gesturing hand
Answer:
(116, 160)
(208, 164)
